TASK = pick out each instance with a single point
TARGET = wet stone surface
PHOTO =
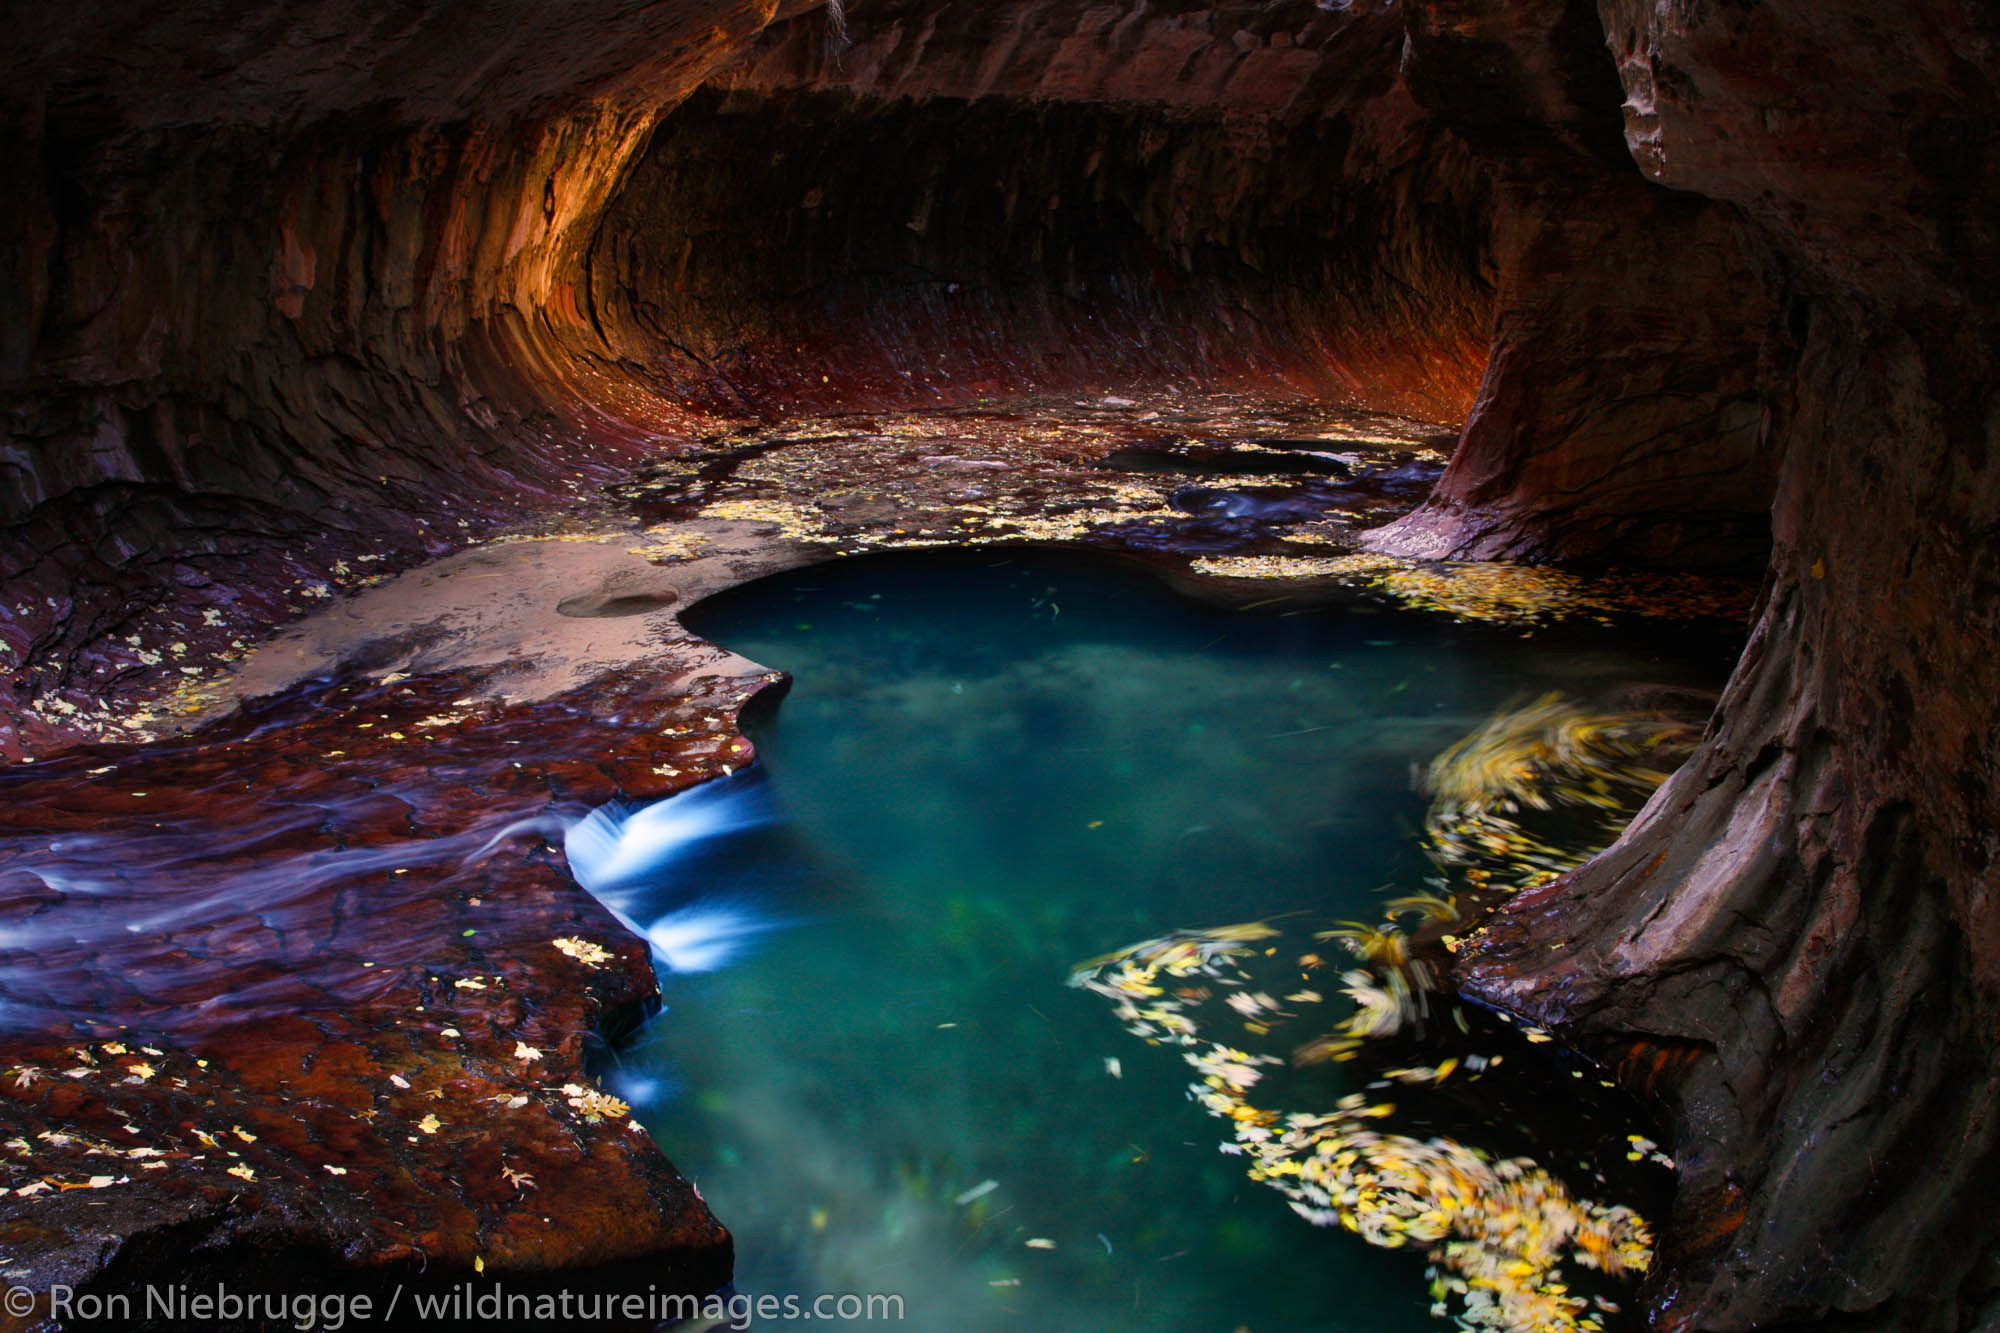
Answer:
(1167, 473)
(261, 982)
(1224, 494)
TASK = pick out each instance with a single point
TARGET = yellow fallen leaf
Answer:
(590, 955)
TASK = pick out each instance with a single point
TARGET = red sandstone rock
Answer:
(334, 1048)
(285, 283)
(1807, 904)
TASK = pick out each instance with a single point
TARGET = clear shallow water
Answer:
(991, 767)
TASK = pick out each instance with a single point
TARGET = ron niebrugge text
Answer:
(331, 1311)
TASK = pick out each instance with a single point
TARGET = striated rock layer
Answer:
(1714, 282)
(1798, 934)
(311, 279)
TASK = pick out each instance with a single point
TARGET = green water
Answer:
(991, 767)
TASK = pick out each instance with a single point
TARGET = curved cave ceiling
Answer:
(799, 246)
(1709, 286)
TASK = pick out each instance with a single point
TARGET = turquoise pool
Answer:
(994, 765)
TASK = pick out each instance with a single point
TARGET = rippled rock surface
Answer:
(280, 1003)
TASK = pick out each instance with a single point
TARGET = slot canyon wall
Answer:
(389, 280)
(990, 198)
(301, 282)
(1711, 283)
(1798, 932)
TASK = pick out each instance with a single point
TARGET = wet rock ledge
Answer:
(283, 1022)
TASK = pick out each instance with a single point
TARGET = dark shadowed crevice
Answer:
(804, 247)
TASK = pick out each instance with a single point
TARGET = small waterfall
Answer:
(636, 861)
